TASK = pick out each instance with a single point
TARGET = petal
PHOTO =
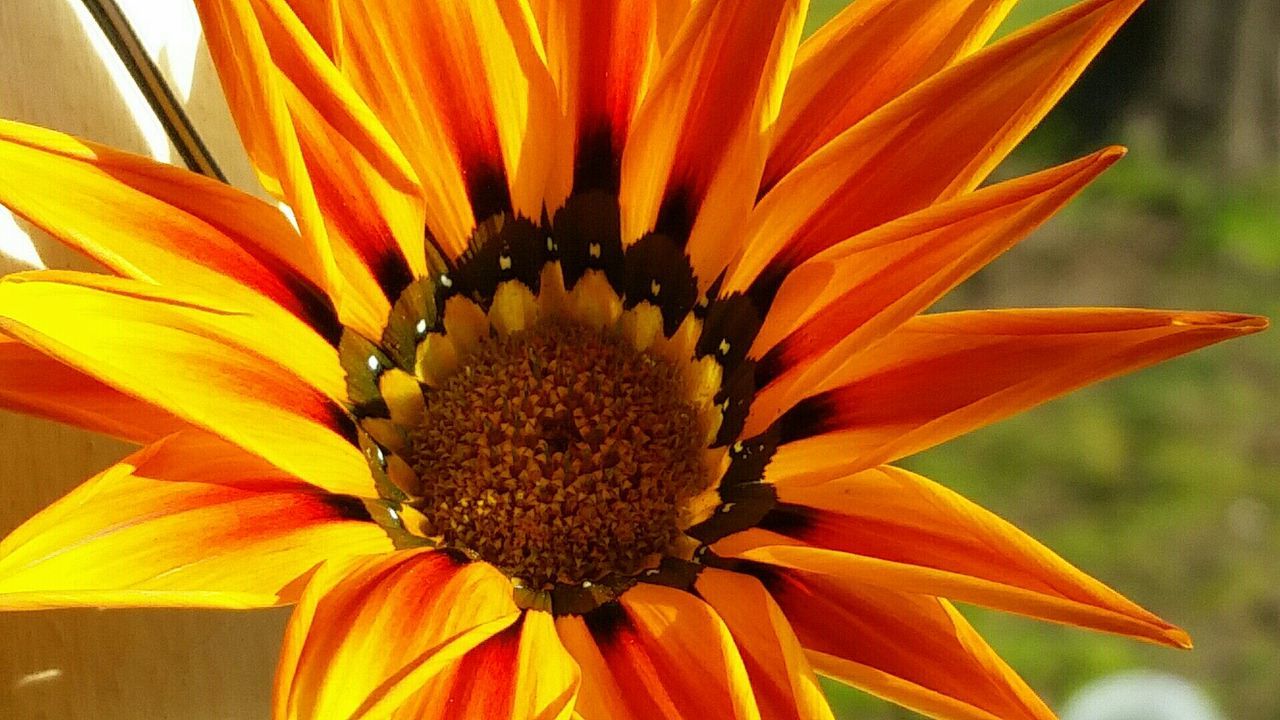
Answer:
(255, 94)
(189, 521)
(936, 142)
(784, 683)
(895, 529)
(464, 90)
(602, 55)
(913, 650)
(868, 54)
(521, 673)
(154, 222)
(599, 697)
(939, 376)
(672, 656)
(36, 384)
(699, 140)
(349, 187)
(366, 636)
(196, 361)
(854, 293)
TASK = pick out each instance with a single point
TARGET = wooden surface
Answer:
(119, 664)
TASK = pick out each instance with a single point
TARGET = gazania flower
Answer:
(573, 390)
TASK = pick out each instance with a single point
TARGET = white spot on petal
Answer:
(446, 281)
(593, 249)
(373, 363)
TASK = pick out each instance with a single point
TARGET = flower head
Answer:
(574, 387)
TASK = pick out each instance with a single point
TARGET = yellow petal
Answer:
(368, 635)
(197, 361)
(938, 141)
(36, 384)
(784, 683)
(901, 531)
(868, 54)
(188, 521)
(154, 222)
(939, 376)
(852, 294)
(699, 140)
(913, 650)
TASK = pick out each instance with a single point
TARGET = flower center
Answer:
(559, 454)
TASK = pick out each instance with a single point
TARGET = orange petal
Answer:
(599, 696)
(868, 54)
(602, 55)
(939, 376)
(672, 656)
(699, 140)
(895, 529)
(254, 89)
(936, 142)
(464, 90)
(199, 362)
(190, 521)
(854, 293)
(913, 650)
(522, 673)
(783, 681)
(154, 222)
(36, 384)
(366, 636)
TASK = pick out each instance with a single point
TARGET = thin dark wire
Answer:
(176, 124)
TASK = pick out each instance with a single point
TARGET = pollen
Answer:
(559, 454)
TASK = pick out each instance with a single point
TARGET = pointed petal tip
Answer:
(1229, 323)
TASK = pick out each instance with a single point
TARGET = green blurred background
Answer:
(1162, 484)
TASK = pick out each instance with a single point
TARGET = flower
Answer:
(574, 385)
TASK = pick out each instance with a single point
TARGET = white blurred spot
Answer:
(1140, 695)
(36, 678)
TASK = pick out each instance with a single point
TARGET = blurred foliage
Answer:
(1162, 483)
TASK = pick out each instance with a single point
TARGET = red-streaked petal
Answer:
(700, 138)
(465, 92)
(852, 294)
(521, 673)
(895, 529)
(365, 187)
(36, 384)
(154, 222)
(914, 650)
(939, 376)
(936, 142)
(784, 683)
(599, 697)
(255, 93)
(601, 54)
(367, 636)
(190, 521)
(868, 54)
(672, 656)
(197, 361)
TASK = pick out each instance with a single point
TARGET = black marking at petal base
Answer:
(488, 191)
(607, 621)
(657, 270)
(730, 327)
(344, 425)
(771, 365)
(363, 363)
(597, 165)
(809, 417)
(676, 214)
(736, 392)
(765, 287)
(310, 303)
(413, 315)
(742, 507)
(749, 458)
(788, 519)
(586, 235)
(771, 577)
(347, 507)
(391, 271)
(502, 248)
(673, 572)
